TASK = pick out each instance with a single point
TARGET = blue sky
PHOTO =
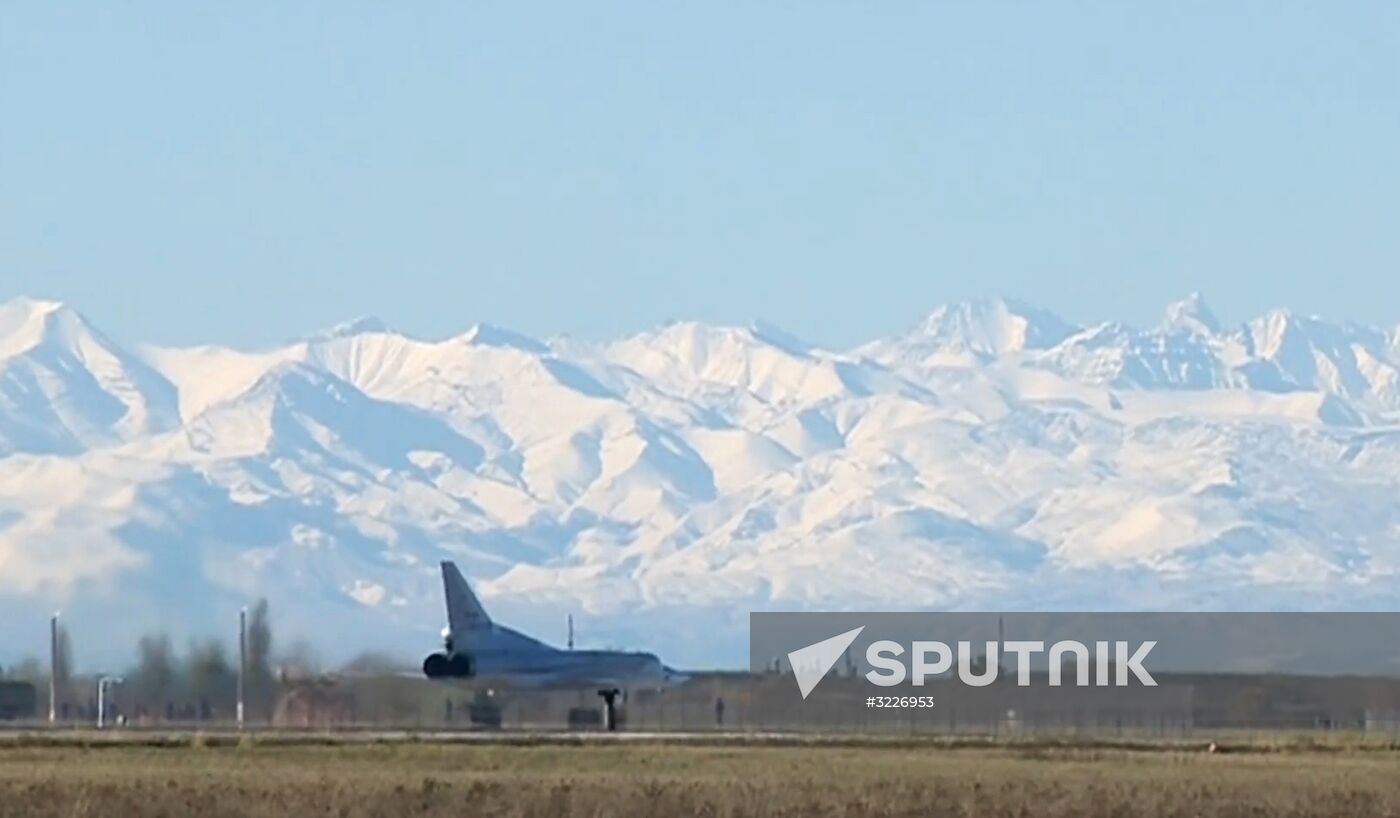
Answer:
(246, 172)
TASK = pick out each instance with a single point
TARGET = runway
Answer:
(222, 736)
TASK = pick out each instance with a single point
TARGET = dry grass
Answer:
(258, 779)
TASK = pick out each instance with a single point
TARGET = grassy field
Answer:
(650, 780)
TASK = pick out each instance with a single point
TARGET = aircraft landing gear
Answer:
(610, 707)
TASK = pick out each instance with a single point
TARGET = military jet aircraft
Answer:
(477, 648)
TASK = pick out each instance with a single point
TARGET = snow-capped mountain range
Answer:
(659, 487)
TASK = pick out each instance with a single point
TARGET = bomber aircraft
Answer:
(477, 648)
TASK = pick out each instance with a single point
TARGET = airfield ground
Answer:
(223, 775)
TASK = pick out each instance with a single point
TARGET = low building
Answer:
(17, 701)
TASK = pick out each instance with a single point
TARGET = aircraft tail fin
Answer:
(464, 612)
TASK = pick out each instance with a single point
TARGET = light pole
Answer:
(53, 669)
(242, 660)
(104, 686)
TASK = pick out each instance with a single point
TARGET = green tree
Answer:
(299, 660)
(63, 656)
(62, 671)
(29, 670)
(154, 679)
(213, 681)
(261, 687)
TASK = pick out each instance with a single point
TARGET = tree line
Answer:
(198, 683)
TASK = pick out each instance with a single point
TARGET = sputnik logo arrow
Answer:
(811, 664)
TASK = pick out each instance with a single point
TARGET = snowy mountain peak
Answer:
(26, 323)
(696, 345)
(367, 324)
(1193, 315)
(19, 311)
(65, 387)
(994, 327)
(488, 335)
(777, 336)
(970, 334)
(1275, 330)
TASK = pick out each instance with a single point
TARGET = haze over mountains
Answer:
(662, 486)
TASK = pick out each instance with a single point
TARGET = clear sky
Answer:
(247, 172)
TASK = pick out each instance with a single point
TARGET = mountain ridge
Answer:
(994, 455)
